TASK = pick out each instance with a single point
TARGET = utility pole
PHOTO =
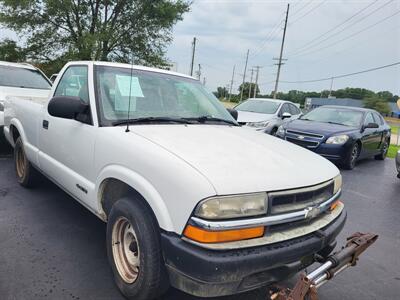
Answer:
(193, 53)
(330, 90)
(256, 84)
(281, 53)
(244, 75)
(198, 73)
(233, 75)
(251, 81)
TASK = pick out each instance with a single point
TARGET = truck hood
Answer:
(240, 160)
(248, 116)
(326, 129)
(6, 91)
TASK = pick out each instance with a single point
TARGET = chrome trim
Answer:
(293, 140)
(301, 190)
(310, 134)
(265, 221)
(276, 237)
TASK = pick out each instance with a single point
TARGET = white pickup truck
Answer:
(190, 198)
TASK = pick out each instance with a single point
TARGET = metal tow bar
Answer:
(307, 285)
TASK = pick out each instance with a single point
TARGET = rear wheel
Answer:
(134, 250)
(351, 157)
(384, 151)
(26, 173)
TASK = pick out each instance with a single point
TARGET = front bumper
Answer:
(209, 273)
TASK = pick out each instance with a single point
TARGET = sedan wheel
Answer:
(352, 157)
(384, 151)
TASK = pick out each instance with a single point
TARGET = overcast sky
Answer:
(226, 29)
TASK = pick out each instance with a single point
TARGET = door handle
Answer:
(45, 124)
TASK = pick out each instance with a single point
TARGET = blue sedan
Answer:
(340, 134)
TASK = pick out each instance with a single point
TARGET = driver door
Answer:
(67, 146)
(369, 136)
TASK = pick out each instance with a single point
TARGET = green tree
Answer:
(115, 30)
(246, 89)
(378, 104)
(9, 51)
(221, 92)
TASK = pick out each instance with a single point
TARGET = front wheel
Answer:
(384, 151)
(134, 250)
(351, 157)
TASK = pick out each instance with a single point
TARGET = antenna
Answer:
(130, 93)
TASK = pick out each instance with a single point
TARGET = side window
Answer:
(74, 82)
(285, 108)
(294, 110)
(369, 119)
(378, 119)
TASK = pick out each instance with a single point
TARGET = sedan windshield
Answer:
(335, 115)
(23, 78)
(259, 106)
(150, 97)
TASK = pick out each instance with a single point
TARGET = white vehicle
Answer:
(190, 198)
(21, 79)
(266, 115)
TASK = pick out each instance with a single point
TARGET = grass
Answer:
(395, 129)
(228, 104)
(393, 151)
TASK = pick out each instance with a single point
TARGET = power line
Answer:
(344, 75)
(333, 28)
(343, 29)
(301, 8)
(349, 36)
(308, 12)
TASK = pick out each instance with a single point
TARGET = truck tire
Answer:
(351, 157)
(384, 150)
(26, 173)
(134, 250)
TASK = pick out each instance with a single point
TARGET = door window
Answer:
(285, 109)
(74, 82)
(294, 110)
(378, 119)
(369, 119)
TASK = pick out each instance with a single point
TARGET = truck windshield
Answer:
(155, 96)
(259, 106)
(334, 115)
(23, 78)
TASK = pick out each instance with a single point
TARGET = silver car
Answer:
(398, 163)
(265, 114)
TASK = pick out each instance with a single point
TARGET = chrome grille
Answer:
(304, 139)
(303, 143)
(298, 199)
(306, 134)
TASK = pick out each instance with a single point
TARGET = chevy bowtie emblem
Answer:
(312, 212)
(300, 137)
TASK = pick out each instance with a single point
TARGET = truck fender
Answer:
(139, 184)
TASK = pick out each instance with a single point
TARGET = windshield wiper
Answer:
(151, 120)
(204, 119)
(336, 123)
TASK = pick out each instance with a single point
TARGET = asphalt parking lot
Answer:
(53, 248)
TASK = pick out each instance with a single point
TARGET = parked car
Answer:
(21, 79)
(340, 134)
(398, 163)
(266, 115)
(156, 156)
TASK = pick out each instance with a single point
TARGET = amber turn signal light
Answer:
(335, 204)
(205, 236)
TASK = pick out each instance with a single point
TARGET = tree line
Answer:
(375, 100)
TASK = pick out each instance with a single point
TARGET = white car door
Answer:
(67, 146)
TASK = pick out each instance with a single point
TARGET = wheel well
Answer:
(111, 190)
(359, 146)
(14, 133)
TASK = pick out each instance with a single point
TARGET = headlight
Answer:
(1, 106)
(337, 139)
(258, 124)
(237, 206)
(281, 131)
(337, 184)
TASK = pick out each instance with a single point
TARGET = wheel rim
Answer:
(385, 149)
(125, 250)
(20, 162)
(354, 155)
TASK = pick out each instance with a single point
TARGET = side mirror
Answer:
(371, 125)
(66, 107)
(233, 113)
(286, 115)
